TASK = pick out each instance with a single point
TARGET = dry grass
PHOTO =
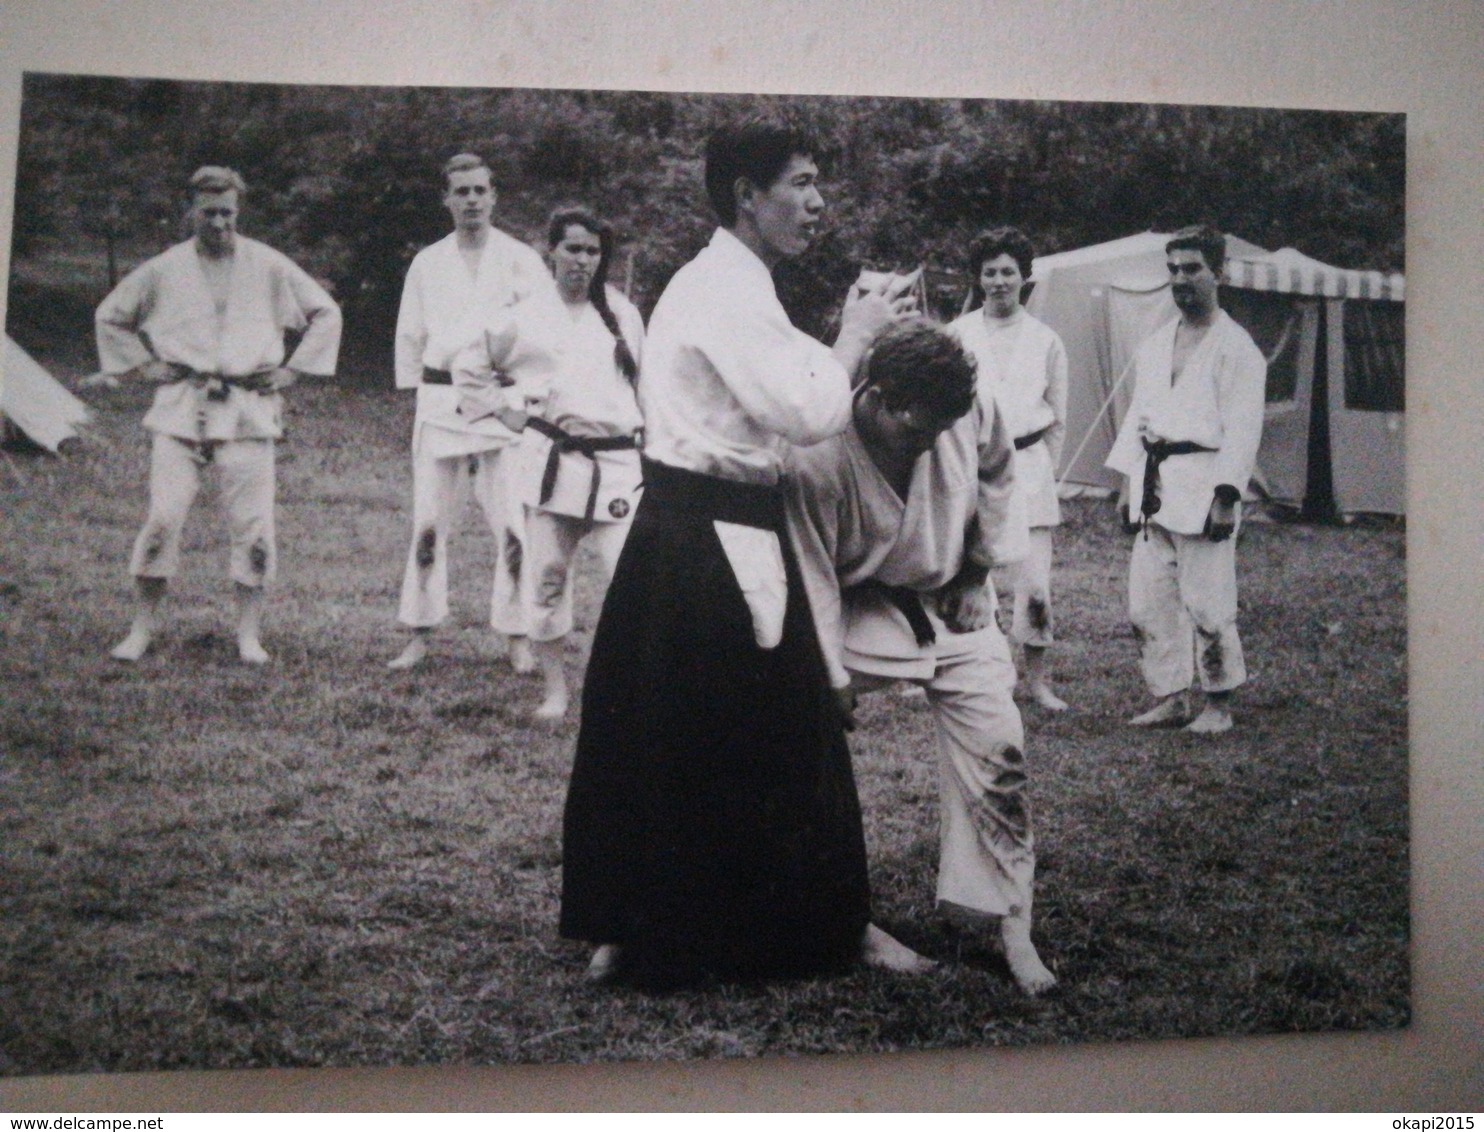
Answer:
(328, 864)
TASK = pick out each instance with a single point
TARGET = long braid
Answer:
(623, 357)
(597, 292)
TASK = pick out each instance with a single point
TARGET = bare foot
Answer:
(552, 708)
(604, 964)
(134, 646)
(521, 657)
(1041, 692)
(1030, 974)
(251, 651)
(1213, 720)
(881, 950)
(1169, 712)
(411, 656)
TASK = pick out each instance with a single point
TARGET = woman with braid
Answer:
(580, 460)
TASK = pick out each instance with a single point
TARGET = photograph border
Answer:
(1111, 52)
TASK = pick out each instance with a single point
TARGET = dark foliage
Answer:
(346, 179)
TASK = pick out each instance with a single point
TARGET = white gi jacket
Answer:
(727, 380)
(1022, 364)
(850, 526)
(164, 309)
(443, 311)
(1216, 403)
(589, 396)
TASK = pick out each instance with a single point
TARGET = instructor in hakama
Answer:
(712, 827)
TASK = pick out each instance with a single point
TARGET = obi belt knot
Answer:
(1156, 452)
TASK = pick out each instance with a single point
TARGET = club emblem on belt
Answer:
(618, 508)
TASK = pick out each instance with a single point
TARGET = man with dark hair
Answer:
(205, 321)
(898, 522)
(1023, 366)
(757, 149)
(452, 290)
(712, 827)
(1188, 445)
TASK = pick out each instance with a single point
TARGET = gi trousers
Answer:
(441, 486)
(986, 849)
(546, 579)
(1030, 584)
(245, 474)
(1182, 597)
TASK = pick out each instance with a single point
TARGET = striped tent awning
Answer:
(1291, 272)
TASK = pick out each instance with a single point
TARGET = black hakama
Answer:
(712, 827)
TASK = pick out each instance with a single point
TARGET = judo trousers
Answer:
(246, 485)
(441, 486)
(986, 851)
(1029, 582)
(712, 826)
(1182, 597)
(546, 579)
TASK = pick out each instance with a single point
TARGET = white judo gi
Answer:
(1183, 586)
(445, 308)
(1022, 364)
(166, 309)
(578, 496)
(854, 534)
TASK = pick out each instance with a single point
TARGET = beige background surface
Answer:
(1426, 59)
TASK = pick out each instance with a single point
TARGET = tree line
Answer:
(346, 179)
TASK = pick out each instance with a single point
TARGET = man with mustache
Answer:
(1188, 445)
(453, 288)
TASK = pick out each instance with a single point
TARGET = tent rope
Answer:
(1097, 417)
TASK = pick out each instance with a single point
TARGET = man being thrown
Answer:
(452, 289)
(206, 321)
(712, 827)
(1188, 445)
(898, 522)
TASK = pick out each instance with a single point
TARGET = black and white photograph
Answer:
(508, 575)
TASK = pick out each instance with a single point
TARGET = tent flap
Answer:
(1105, 298)
(36, 402)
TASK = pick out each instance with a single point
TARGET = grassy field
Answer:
(325, 863)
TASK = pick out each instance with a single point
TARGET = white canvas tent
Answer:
(1334, 427)
(34, 402)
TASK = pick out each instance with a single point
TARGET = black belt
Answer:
(1023, 442)
(589, 446)
(711, 497)
(909, 601)
(433, 376)
(1156, 452)
(250, 382)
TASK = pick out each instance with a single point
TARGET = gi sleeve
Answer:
(1000, 533)
(119, 319)
(309, 308)
(511, 364)
(1241, 391)
(783, 379)
(412, 331)
(814, 526)
(1056, 397)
